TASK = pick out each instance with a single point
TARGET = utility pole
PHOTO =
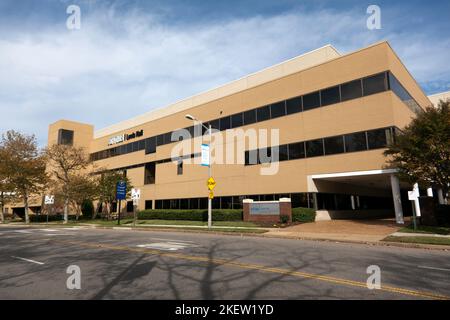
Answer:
(209, 128)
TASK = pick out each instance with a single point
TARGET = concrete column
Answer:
(395, 186)
(440, 196)
(416, 202)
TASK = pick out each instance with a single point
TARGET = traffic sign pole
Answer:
(209, 174)
(118, 219)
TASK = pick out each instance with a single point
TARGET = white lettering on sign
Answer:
(265, 208)
(116, 139)
(49, 200)
(124, 137)
(135, 194)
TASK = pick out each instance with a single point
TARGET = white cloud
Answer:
(120, 65)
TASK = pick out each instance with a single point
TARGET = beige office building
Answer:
(334, 114)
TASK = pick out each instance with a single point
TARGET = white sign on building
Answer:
(49, 199)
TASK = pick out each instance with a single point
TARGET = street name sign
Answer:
(121, 190)
(205, 155)
(49, 199)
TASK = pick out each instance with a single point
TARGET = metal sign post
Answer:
(135, 195)
(121, 193)
(49, 201)
(412, 195)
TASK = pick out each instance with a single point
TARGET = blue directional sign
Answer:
(121, 190)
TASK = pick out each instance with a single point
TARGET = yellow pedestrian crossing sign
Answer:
(211, 183)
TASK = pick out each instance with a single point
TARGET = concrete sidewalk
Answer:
(340, 230)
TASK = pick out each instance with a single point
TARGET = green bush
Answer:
(284, 219)
(191, 214)
(443, 215)
(303, 215)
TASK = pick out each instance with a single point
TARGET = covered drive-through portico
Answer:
(360, 195)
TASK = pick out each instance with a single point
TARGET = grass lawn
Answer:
(143, 223)
(423, 240)
(426, 229)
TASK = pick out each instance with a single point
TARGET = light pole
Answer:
(191, 117)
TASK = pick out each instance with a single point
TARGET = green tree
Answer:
(107, 188)
(421, 152)
(67, 166)
(82, 188)
(6, 195)
(23, 165)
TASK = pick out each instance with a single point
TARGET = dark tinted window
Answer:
(149, 176)
(265, 155)
(129, 206)
(277, 110)
(129, 147)
(225, 123)
(401, 92)
(236, 120)
(141, 144)
(294, 105)
(160, 140)
(148, 204)
(263, 113)
(167, 137)
(283, 153)
(215, 124)
(184, 203)
(193, 203)
(296, 150)
(311, 101)
(65, 137)
(330, 96)
(374, 84)
(180, 168)
(376, 138)
(334, 145)
(314, 148)
(355, 142)
(351, 90)
(251, 157)
(249, 117)
(150, 145)
(226, 203)
(135, 146)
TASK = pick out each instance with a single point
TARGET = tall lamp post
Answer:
(208, 128)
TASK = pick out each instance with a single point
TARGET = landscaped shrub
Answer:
(191, 214)
(284, 219)
(303, 215)
(443, 214)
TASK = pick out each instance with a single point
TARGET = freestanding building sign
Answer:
(121, 190)
(267, 211)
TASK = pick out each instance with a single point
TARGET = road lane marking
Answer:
(22, 231)
(28, 260)
(173, 240)
(166, 246)
(262, 268)
(434, 268)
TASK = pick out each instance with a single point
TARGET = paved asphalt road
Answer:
(124, 264)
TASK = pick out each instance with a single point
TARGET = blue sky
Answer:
(130, 57)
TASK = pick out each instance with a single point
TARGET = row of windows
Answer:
(339, 93)
(305, 200)
(332, 201)
(358, 141)
(325, 201)
(403, 94)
